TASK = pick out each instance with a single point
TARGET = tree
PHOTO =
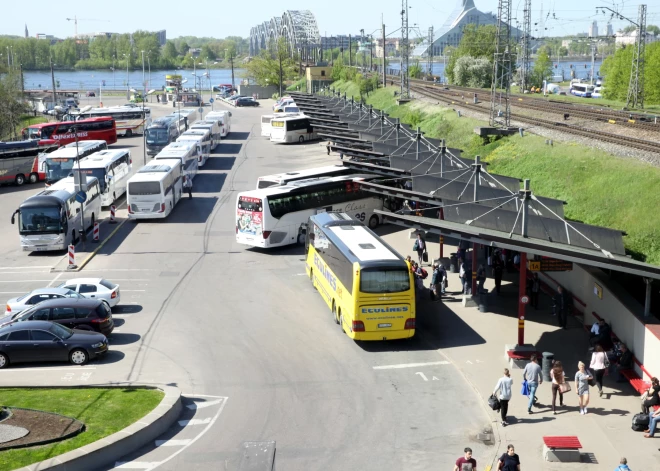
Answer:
(542, 68)
(477, 41)
(616, 69)
(12, 107)
(184, 48)
(230, 51)
(169, 51)
(653, 29)
(415, 70)
(472, 72)
(265, 68)
(207, 53)
(629, 29)
(563, 51)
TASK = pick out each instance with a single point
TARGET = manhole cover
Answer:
(169, 273)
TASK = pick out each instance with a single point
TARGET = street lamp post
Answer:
(114, 87)
(128, 88)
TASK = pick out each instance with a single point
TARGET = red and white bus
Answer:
(96, 129)
(23, 161)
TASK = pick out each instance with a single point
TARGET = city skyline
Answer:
(559, 18)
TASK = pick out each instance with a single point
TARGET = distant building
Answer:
(27, 35)
(623, 39)
(195, 51)
(610, 30)
(582, 35)
(451, 32)
(162, 37)
(566, 43)
(92, 36)
(391, 47)
(593, 30)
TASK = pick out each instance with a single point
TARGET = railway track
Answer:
(640, 144)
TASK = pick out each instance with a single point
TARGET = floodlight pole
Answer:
(477, 176)
(525, 195)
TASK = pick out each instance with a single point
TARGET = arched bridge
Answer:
(297, 27)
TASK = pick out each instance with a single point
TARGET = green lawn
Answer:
(103, 411)
(601, 189)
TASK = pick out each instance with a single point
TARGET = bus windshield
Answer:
(40, 220)
(144, 188)
(38, 132)
(58, 168)
(157, 136)
(99, 173)
(384, 280)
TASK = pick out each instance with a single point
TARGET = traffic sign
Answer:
(200, 109)
(81, 197)
(211, 100)
(524, 299)
(534, 265)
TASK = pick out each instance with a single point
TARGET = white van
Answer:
(223, 118)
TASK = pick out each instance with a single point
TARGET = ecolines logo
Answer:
(375, 310)
(325, 271)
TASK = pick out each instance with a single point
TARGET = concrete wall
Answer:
(263, 92)
(621, 311)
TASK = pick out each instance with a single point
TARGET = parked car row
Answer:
(237, 100)
(66, 323)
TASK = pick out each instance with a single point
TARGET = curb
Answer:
(91, 254)
(109, 449)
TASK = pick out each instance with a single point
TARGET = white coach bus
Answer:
(279, 179)
(112, 168)
(187, 152)
(155, 189)
(291, 129)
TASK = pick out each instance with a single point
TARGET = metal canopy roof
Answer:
(543, 247)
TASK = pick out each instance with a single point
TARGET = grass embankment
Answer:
(600, 188)
(103, 411)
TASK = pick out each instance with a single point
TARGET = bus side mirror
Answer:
(77, 210)
(13, 216)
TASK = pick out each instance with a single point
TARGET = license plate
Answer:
(40, 249)
(380, 326)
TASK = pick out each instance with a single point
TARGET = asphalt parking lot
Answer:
(244, 335)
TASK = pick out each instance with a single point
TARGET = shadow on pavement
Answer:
(122, 339)
(113, 356)
(228, 148)
(217, 163)
(120, 236)
(208, 183)
(292, 249)
(195, 210)
(127, 309)
(238, 136)
(118, 322)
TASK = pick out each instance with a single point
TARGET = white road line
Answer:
(122, 269)
(410, 365)
(191, 395)
(185, 423)
(202, 405)
(24, 268)
(12, 292)
(64, 368)
(133, 290)
(135, 464)
(21, 272)
(55, 279)
(201, 434)
(23, 281)
(173, 442)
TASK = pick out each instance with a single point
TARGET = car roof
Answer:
(83, 280)
(50, 291)
(69, 302)
(26, 325)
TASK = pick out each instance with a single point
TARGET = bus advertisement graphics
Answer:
(250, 222)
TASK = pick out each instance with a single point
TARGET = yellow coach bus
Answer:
(367, 285)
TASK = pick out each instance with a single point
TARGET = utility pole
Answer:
(526, 45)
(231, 60)
(405, 52)
(384, 54)
(350, 51)
(593, 61)
(429, 54)
(52, 76)
(500, 108)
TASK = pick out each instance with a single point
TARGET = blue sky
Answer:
(207, 18)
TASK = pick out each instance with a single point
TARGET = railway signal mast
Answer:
(500, 108)
(526, 45)
(405, 53)
(636, 84)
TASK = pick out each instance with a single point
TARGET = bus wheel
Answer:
(34, 178)
(373, 222)
(93, 220)
(20, 179)
(128, 133)
(301, 139)
(341, 321)
(301, 239)
(334, 312)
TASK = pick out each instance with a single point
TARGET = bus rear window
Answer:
(144, 188)
(249, 204)
(266, 184)
(384, 280)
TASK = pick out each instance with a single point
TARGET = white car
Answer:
(96, 288)
(20, 303)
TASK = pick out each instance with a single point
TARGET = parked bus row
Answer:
(287, 124)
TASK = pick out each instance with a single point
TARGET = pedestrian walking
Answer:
(481, 279)
(466, 462)
(532, 374)
(504, 385)
(187, 186)
(443, 279)
(420, 247)
(582, 378)
(599, 363)
(559, 384)
(535, 290)
(561, 301)
(623, 465)
(509, 461)
(435, 282)
(498, 271)
(467, 278)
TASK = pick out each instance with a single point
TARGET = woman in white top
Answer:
(599, 364)
(558, 384)
(504, 387)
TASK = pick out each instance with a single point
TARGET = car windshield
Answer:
(60, 331)
(40, 220)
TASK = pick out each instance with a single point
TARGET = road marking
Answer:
(422, 375)
(191, 395)
(23, 281)
(24, 268)
(410, 365)
(202, 405)
(12, 292)
(185, 423)
(173, 442)
(135, 464)
(21, 272)
(54, 280)
(133, 290)
(64, 368)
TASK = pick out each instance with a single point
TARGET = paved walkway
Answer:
(476, 345)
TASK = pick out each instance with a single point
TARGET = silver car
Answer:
(16, 305)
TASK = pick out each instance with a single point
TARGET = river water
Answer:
(93, 79)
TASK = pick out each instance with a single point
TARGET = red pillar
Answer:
(474, 269)
(522, 292)
(442, 239)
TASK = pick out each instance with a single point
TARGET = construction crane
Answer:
(75, 22)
